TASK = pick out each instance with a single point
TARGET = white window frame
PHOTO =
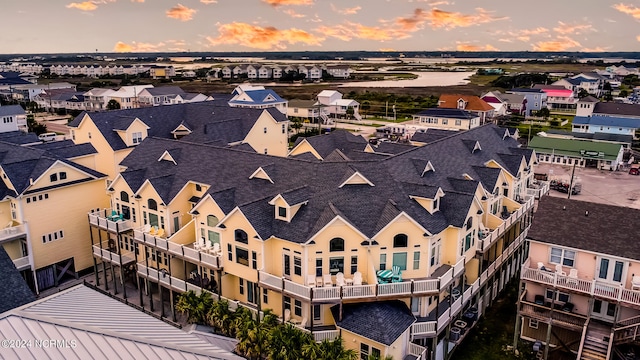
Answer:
(533, 323)
(562, 258)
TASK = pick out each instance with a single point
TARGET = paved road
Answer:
(600, 186)
(363, 130)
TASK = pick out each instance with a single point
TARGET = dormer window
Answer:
(241, 236)
(136, 137)
(336, 244)
(282, 212)
(152, 204)
(124, 197)
(400, 241)
(436, 204)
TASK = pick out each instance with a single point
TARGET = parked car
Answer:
(47, 137)
(563, 186)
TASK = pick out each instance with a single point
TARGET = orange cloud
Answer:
(265, 38)
(181, 12)
(207, 2)
(638, 37)
(276, 3)
(351, 30)
(461, 46)
(437, 19)
(387, 49)
(293, 13)
(566, 29)
(628, 9)
(137, 47)
(595, 49)
(561, 43)
(346, 11)
(84, 6)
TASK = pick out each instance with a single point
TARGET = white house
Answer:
(12, 118)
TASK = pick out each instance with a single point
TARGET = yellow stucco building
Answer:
(425, 239)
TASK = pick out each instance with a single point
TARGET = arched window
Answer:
(400, 240)
(212, 221)
(124, 197)
(152, 204)
(336, 244)
(469, 223)
(241, 236)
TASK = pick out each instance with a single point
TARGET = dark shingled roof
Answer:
(387, 147)
(14, 291)
(19, 138)
(318, 183)
(607, 229)
(432, 135)
(342, 140)
(611, 108)
(209, 121)
(382, 321)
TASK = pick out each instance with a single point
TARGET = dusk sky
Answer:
(59, 26)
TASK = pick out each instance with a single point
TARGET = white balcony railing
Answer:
(487, 241)
(606, 290)
(183, 251)
(105, 220)
(424, 328)
(458, 268)
(13, 232)
(417, 350)
(22, 263)
(320, 336)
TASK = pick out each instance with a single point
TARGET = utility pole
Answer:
(571, 181)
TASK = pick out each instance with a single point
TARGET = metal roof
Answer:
(91, 325)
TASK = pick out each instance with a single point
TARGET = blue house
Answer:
(534, 99)
(606, 124)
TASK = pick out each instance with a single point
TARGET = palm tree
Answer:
(204, 303)
(334, 349)
(186, 304)
(253, 339)
(286, 343)
(220, 317)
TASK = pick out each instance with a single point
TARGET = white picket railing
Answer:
(401, 288)
(322, 335)
(103, 220)
(359, 291)
(12, 232)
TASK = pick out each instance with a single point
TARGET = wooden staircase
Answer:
(596, 342)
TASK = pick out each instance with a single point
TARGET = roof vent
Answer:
(564, 208)
(586, 213)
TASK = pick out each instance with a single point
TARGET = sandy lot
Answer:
(607, 187)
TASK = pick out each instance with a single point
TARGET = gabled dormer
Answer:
(287, 204)
(472, 145)
(461, 104)
(423, 168)
(170, 156)
(181, 131)
(356, 178)
(431, 204)
(261, 173)
(134, 133)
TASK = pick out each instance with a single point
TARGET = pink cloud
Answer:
(181, 12)
(265, 38)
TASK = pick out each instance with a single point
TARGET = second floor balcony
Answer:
(580, 283)
(181, 245)
(489, 236)
(110, 220)
(12, 233)
(438, 282)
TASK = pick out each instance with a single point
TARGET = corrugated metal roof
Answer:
(95, 326)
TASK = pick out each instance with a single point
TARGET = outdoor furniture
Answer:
(559, 270)
(311, 281)
(357, 278)
(397, 274)
(573, 276)
(340, 279)
(319, 281)
(287, 315)
(326, 280)
(216, 250)
(635, 282)
(153, 230)
(348, 281)
(568, 307)
(207, 245)
(160, 232)
(384, 276)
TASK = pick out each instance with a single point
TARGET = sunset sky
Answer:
(58, 26)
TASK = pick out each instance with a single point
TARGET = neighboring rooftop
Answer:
(99, 327)
(383, 321)
(608, 121)
(447, 113)
(14, 291)
(611, 108)
(575, 147)
(600, 228)
(6, 110)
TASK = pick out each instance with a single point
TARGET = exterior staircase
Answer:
(325, 119)
(596, 342)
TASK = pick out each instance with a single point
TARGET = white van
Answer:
(47, 137)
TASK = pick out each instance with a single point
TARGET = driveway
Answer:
(600, 186)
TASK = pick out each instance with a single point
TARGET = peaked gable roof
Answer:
(472, 102)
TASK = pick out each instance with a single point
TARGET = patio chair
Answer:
(287, 315)
(303, 323)
(160, 232)
(153, 230)
(326, 280)
(340, 279)
(216, 250)
(311, 280)
(357, 278)
(573, 276)
(207, 245)
(541, 266)
(635, 282)
(559, 270)
(397, 274)
(146, 228)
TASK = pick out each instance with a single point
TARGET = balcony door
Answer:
(610, 270)
(603, 310)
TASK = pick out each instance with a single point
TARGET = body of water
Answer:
(427, 78)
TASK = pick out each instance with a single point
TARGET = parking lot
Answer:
(601, 186)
